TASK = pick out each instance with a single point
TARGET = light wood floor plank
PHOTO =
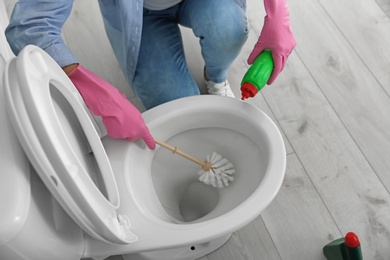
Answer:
(362, 105)
(297, 219)
(350, 189)
(385, 5)
(368, 119)
(366, 27)
(252, 242)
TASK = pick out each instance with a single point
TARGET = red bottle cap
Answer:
(248, 90)
(351, 240)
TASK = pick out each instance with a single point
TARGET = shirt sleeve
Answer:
(40, 23)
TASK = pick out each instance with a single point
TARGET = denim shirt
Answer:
(40, 23)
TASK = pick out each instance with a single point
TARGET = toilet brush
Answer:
(216, 170)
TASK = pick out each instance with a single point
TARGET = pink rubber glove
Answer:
(120, 117)
(276, 36)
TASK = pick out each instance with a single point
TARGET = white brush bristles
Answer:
(221, 173)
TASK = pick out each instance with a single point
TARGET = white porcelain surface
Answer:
(14, 188)
(54, 127)
(32, 224)
(156, 182)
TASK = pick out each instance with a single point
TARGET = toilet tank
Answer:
(31, 221)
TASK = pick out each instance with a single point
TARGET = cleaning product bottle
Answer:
(344, 248)
(257, 75)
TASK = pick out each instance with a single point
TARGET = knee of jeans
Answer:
(228, 32)
(229, 38)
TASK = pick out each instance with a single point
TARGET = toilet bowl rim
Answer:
(267, 189)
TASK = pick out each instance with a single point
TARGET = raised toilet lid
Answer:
(54, 127)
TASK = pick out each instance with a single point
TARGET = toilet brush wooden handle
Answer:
(179, 152)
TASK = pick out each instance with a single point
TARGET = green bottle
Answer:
(257, 75)
(344, 248)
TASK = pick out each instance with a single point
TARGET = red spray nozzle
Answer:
(351, 240)
(248, 90)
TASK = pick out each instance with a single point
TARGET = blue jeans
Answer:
(162, 74)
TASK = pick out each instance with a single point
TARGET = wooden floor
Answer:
(332, 105)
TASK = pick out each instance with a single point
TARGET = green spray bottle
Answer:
(344, 248)
(257, 75)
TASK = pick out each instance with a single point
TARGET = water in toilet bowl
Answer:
(183, 197)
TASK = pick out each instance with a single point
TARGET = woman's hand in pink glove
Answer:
(120, 117)
(276, 36)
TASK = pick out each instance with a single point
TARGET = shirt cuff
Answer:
(61, 54)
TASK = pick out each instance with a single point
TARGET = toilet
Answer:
(70, 192)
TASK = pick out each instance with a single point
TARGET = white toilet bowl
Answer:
(126, 198)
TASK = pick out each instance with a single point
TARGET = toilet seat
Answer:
(41, 101)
